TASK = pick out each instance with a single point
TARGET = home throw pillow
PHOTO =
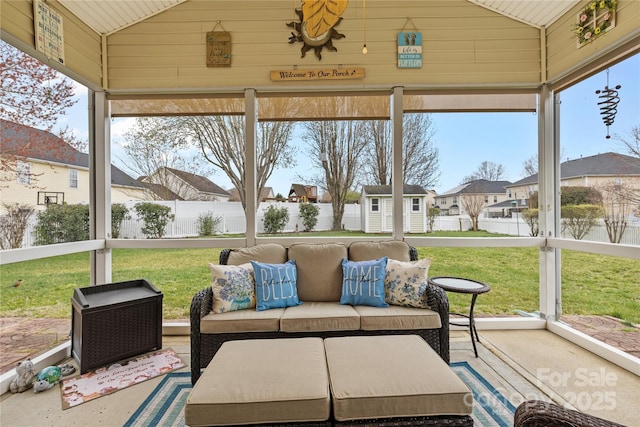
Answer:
(406, 282)
(233, 287)
(363, 282)
(275, 285)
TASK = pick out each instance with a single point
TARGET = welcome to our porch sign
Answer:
(410, 49)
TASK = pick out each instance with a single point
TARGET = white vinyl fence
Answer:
(232, 221)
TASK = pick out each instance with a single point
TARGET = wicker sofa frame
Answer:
(205, 346)
(536, 413)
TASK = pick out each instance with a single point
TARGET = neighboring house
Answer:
(303, 193)
(377, 209)
(38, 168)
(186, 185)
(601, 171)
(267, 194)
(490, 192)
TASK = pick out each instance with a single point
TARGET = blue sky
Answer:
(465, 140)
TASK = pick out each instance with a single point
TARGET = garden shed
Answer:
(377, 204)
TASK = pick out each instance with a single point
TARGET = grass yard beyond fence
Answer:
(591, 284)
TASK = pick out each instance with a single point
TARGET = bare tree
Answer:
(487, 170)
(153, 146)
(473, 204)
(221, 139)
(14, 224)
(530, 166)
(336, 147)
(632, 144)
(616, 205)
(33, 96)
(420, 156)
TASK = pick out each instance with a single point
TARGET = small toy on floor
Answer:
(24, 378)
(47, 378)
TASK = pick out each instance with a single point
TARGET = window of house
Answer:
(73, 178)
(415, 204)
(486, 198)
(455, 199)
(443, 201)
(509, 194)
(495, 199)
(375, 205)
(23, 172)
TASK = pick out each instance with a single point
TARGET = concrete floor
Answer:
(522, 365)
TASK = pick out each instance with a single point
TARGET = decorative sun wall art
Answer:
(316, 28)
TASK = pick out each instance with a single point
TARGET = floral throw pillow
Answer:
(406, 282)
(233, 287)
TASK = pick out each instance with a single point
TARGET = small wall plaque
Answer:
(218, 49)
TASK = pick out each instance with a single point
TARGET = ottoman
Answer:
(394, 378)
(268, 381)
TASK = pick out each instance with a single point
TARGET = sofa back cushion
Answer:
(271, 253)
(319, 267)
(365, 251)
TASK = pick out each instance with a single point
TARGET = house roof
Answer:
(298, 189)
(27, 142)
(386, 189)
(606, 164)
(108, 16)
(160, 190)
(234, 195)
(480, 186)
(199, 182)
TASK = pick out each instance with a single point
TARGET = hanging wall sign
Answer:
(48, 29)
(218, 48)
(410, 49)
(317, 74)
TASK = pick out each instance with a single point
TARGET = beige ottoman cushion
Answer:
(392, 376)
(320, 316)
(262, 381)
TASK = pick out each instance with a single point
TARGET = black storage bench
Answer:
(115, 321)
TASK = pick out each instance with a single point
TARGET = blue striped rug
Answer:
(490, 407)
(165, 405)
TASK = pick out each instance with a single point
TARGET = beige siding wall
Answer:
(82, 46)
(463, 44)
(562, 48)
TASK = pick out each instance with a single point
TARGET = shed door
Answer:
(387, 215)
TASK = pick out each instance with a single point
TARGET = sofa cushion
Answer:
(406, 283)
(363, 282)
(262, 381)
(319, 270)
(275, 285)
(394, 249)
(233, 287)
(267, 252)
(402, 377)
(398, 318)
(242, 321)
(320, 316)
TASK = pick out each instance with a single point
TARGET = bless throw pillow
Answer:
(275, 285)
(406, 282)
(363, 282)
(233, 287)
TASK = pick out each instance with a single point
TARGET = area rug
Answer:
(117, 376)
(165, 405)
(490, 407)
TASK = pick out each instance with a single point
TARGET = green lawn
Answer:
(592, 284)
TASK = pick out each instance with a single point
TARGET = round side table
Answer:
(463, 286)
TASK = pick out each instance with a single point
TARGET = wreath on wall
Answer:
(596, 19)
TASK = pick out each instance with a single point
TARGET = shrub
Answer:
(579, 219)
(155, 218)
(275, 219)
(580, 196)
(309, 213)
(531, 218)
(14, 224)
(62, 223)
(119, 213)
(207, 224)
(432, 213)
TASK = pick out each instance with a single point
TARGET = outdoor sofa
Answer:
(319, 289)
(537, 413)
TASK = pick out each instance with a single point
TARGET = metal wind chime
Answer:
(608, 104)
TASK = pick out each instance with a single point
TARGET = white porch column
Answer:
(396, 178)
(251, 131)
(549, 201)
(100, 184)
